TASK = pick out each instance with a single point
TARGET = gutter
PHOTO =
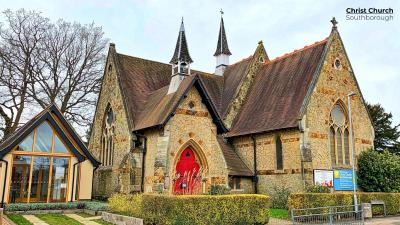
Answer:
(255, 177)
(4, 184)
(144, 150)
(73, 179)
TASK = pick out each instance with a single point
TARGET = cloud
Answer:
(149, 29)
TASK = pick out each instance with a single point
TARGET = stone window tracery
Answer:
(339, 136)
(107, 140)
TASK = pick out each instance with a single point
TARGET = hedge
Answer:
(313, 200)
(193, 209)
(96, 206)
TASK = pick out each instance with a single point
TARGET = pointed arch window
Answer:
(107, 139)
(339, 136)
(279, 154)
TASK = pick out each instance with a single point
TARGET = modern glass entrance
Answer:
(40, 168)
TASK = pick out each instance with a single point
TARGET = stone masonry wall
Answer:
(193, 126)
(333, 85)
(268, 175)
(106, 180)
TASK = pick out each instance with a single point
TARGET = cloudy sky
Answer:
(148, 29)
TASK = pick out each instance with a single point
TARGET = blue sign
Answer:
(343, 180)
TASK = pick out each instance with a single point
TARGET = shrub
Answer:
(318, 189)
(126, 204)
(280, 197)
(194, 209)
(219, 190)
(379, 172)
(96, 206)
(314, 200)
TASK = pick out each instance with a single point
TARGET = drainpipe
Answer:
(4, 184)
(144, 150)
(255, 178)
(94, 170)
(73, 178)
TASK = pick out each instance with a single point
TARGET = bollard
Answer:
(367, 210)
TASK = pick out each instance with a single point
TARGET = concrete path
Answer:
(275, 221)
(34, 220)
(84, 220)
(384, 221)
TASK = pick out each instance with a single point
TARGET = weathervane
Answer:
(334, 22)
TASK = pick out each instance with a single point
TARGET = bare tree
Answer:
(19, 42)
(43, 62)
(73, 58)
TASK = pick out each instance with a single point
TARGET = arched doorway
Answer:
(187, 173)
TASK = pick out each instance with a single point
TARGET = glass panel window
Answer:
(346, 147)
(26, 144)
(59, 146)
(40, 179)
(332, 145)
(59, 179)
(20, 178)
(279, 154)
(339, 146)
(43, 138)
(338, 116)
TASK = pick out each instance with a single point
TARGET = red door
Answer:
(188, 176)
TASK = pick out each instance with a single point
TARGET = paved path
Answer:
(384, 221)
(275, 221)
(84, 220)
(33, 219)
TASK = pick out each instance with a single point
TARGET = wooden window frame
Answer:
(51, 156)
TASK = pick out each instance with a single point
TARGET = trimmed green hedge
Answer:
(313, 200)
(96, 206)
(193, 209)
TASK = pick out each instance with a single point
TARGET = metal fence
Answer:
(340, 215)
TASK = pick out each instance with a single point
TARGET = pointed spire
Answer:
(222, 46)
(181, 50)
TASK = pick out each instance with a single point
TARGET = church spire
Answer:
(181, 50)
(222, 52)
(180, 61)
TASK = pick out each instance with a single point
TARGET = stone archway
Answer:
(189, 168)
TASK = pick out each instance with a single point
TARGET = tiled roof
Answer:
(234, 163)
(278, 91)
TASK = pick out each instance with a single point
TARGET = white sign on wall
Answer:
(323, 178)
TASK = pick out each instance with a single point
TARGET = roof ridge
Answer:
(286, 55)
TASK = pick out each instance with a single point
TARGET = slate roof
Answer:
(234, 163)
(181, 50)
(222, 46)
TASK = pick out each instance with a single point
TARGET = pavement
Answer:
(392, 220)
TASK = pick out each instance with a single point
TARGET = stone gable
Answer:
(110, 96)
(333, 85)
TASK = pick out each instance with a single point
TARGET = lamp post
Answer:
(352, 150)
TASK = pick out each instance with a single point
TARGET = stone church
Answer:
(250, 126)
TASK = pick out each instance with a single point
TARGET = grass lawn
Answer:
(102, 222)
(18, 219)
(84, 215)
(279, 213)
(57, 219)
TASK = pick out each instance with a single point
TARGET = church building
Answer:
(251, 125)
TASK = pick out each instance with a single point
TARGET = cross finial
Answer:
(222, 12)
(334, 22)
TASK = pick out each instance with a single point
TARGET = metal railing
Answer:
(340, 215)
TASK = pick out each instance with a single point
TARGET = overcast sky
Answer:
(149, 29)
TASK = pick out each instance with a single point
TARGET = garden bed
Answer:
(92, 208)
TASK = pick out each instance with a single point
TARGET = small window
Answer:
(337, 64)
(59, 145)
(26, 145)
(234, 183)
(279, 154)
(191, 105)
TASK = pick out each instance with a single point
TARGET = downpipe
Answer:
(255, 177)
